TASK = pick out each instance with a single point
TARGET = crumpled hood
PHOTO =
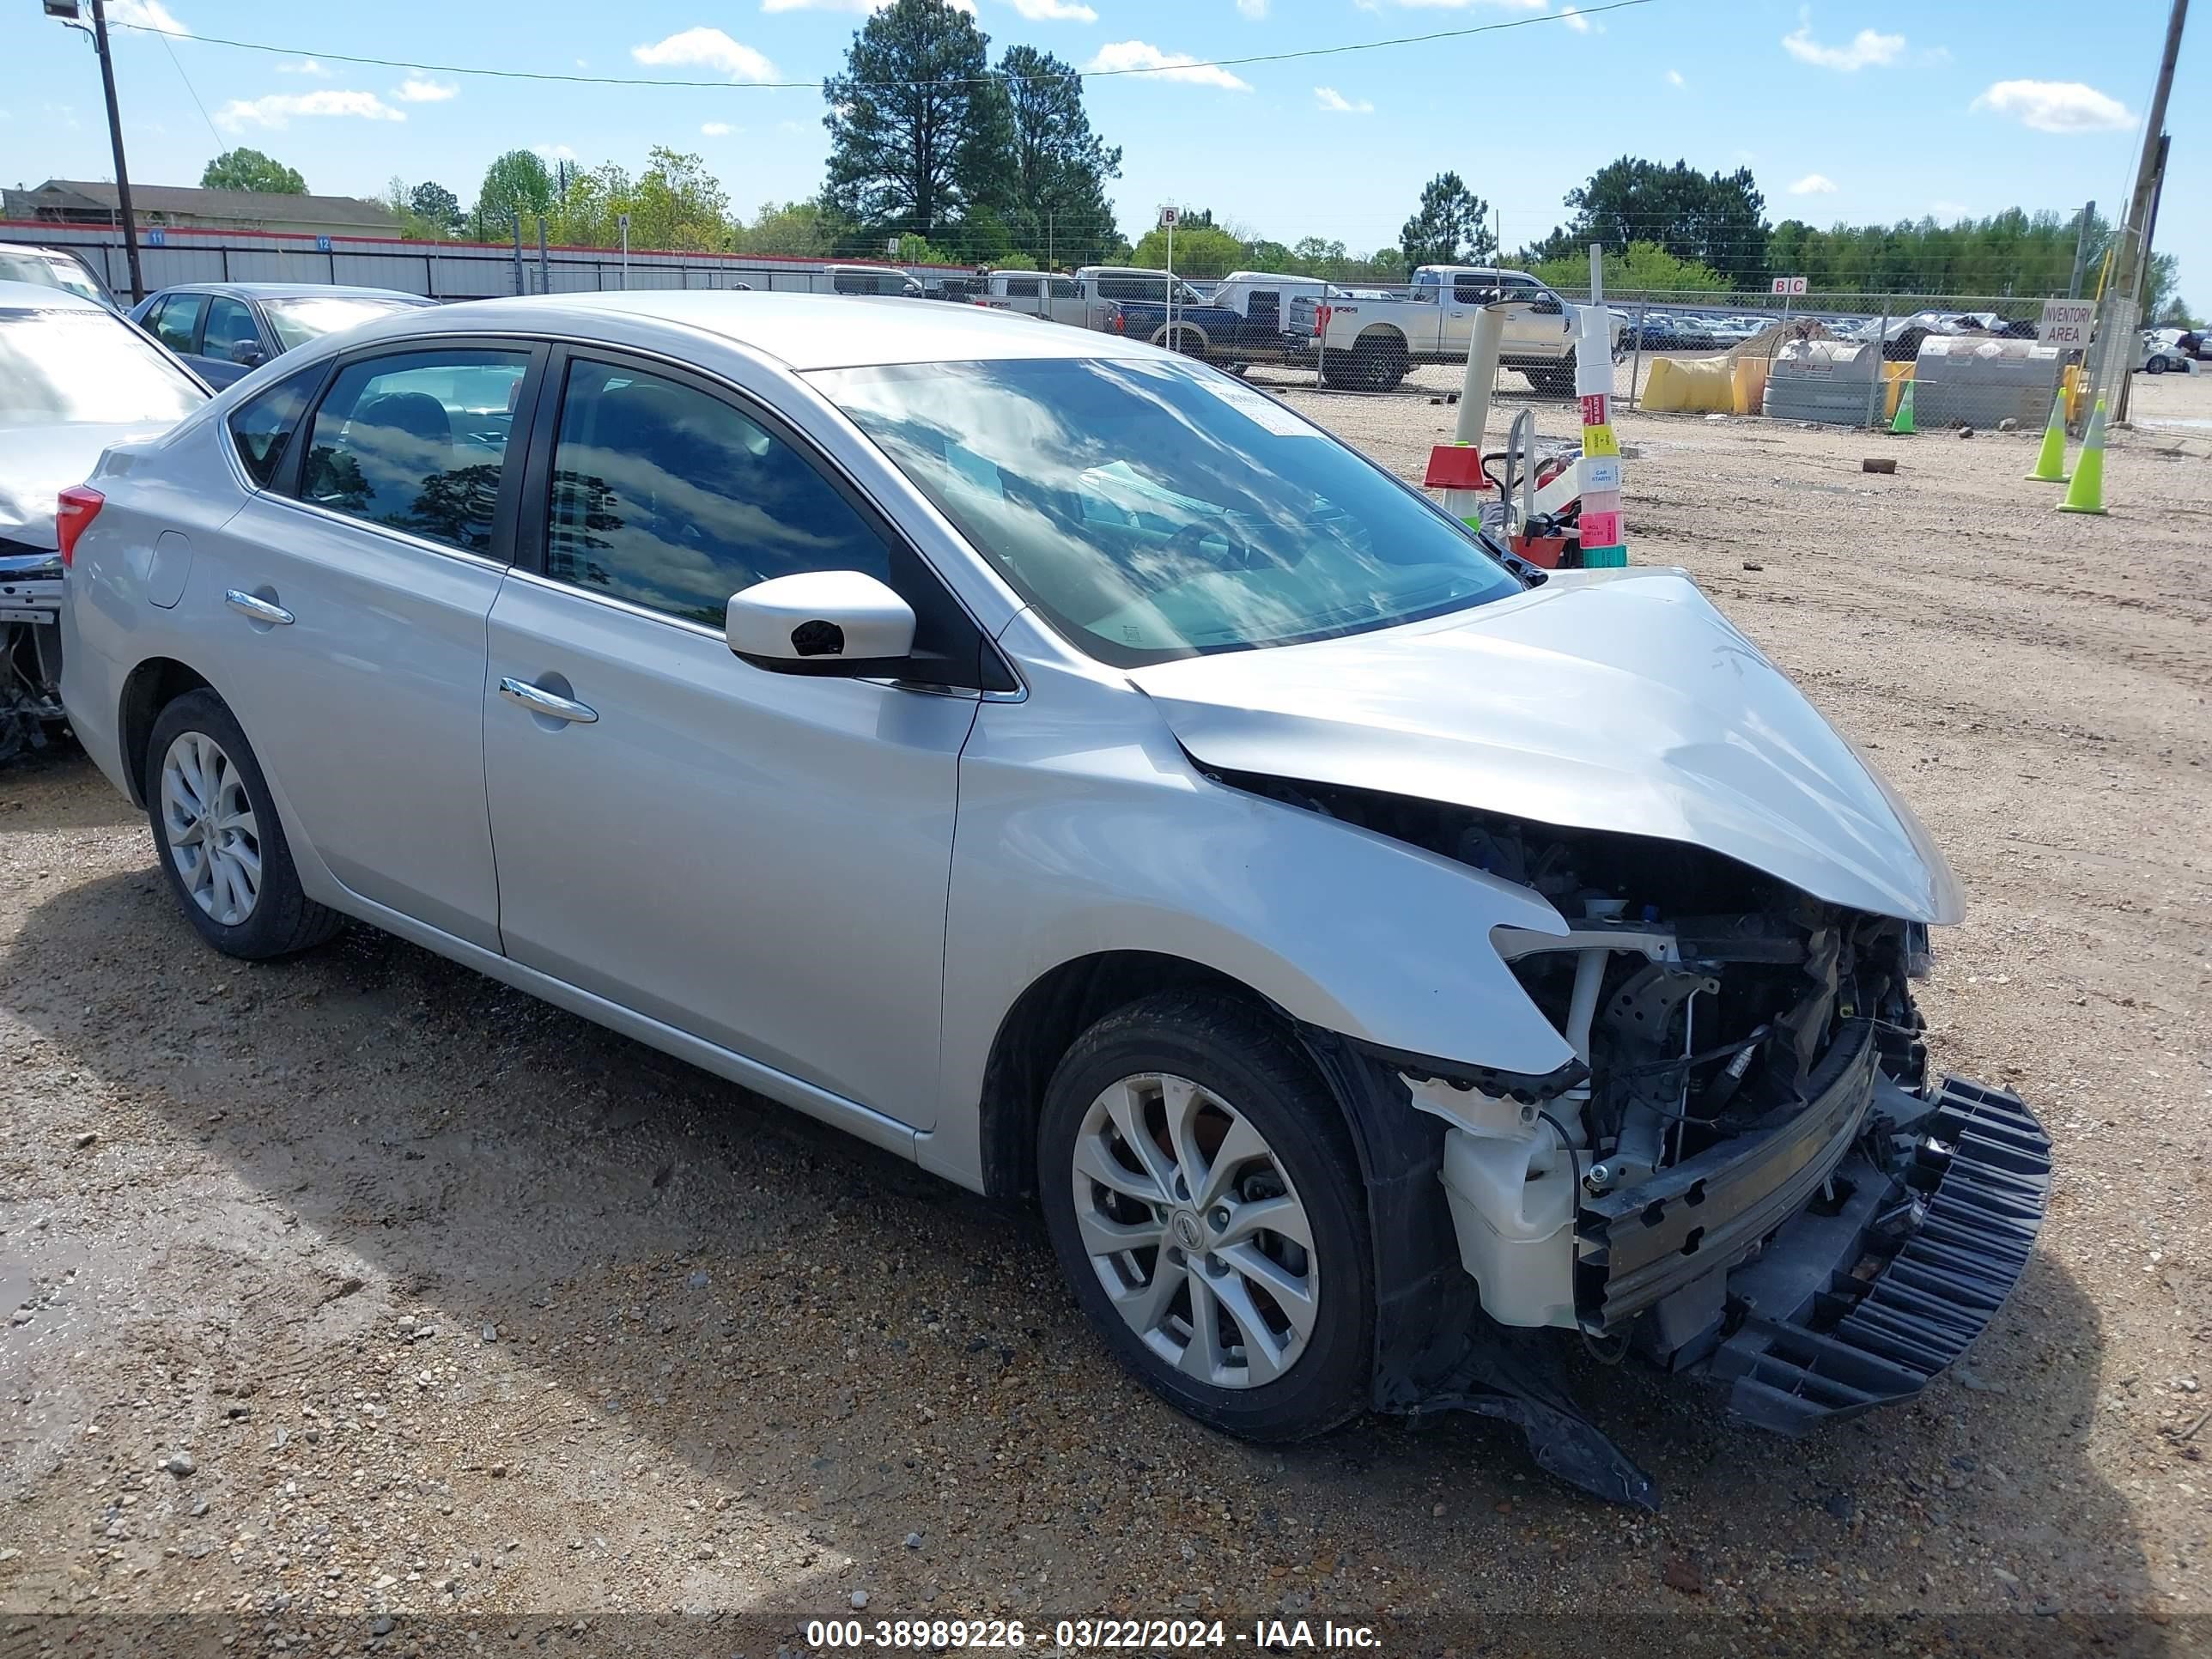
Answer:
(37, 463)
(1609, 701)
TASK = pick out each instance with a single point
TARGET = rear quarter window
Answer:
(263, 426)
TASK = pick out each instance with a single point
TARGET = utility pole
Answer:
(2133, 234)
(2142, 277)
(66, 10)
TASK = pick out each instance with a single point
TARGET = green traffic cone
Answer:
(1902, 426)
(2085, 494)
(2050, 459)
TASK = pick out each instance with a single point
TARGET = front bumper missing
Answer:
(1924, 1265)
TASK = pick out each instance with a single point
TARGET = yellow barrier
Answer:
(1704, 385)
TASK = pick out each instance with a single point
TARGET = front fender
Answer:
(1091, 831)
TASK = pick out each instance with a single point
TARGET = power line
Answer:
(189, 89)
(816, 86)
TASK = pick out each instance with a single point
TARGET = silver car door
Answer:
(349, 605)
(759, 859)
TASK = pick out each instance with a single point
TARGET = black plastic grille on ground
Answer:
(1983, 1177)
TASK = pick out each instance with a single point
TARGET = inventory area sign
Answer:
(2066, 324)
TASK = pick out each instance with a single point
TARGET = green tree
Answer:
(1644, 268)
(806, 230)
(919, 129)
(1714, 219)
(1451, 226)
(1060, 166)
(249, 169)
(516, 182)
(587, 214)
(679, 204)
(435, 205)
(1200, 251)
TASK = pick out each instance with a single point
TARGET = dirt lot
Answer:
(356, 1286)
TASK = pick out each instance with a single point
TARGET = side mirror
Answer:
(832, 622)
(248, 354)
(1549, 305)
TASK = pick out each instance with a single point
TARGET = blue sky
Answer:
(1847, 109)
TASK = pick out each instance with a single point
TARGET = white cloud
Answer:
(1255, 10)
(279, 108)
(146, 14)
(2057, 107)
(1055, 11)
(1142, 55)
(717, 128)
(1581, 25)
(1865, 47)
(1814, 184)
(1950, 209)
(706, 48)
(415, 90)
(1674, 78)
(555, 152)
(306, 66)
(1337, 104)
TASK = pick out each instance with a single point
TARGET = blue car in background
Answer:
(225, 331)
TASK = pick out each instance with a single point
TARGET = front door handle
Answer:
(258, 609)
(538, 700)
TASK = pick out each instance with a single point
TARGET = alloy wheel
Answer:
(1195, 1231)
(208, 821)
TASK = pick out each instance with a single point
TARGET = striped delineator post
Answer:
(1604, 543)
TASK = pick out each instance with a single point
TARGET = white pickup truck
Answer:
(1367, 345)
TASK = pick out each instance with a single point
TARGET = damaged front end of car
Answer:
(1744, 1174)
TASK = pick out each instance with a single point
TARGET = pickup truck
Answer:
(1242, 320)
(1367, 345)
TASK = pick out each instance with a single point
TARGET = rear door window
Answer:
(177, 318)
(418, 441)
(1021, 287)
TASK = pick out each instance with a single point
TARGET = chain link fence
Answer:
(1841, 359)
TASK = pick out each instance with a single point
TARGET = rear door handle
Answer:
(538, 700)
(258, 609)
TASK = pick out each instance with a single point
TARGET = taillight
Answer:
(78, 505)
(1121, 324)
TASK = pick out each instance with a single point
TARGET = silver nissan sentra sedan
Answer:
(1063, 764)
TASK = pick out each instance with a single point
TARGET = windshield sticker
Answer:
(1257, 406)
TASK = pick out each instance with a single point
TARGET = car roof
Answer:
(24, 296)
(803, 330)
(291, 291)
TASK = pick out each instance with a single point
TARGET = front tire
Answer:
(1205, 1201)
(217, 834)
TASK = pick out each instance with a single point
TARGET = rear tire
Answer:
(1379, 360)
(2155, 366)
(216, 833)
(1197, 1100)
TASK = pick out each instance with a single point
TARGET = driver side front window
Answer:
(670, 498)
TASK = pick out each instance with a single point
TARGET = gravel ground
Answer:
(356, 1288)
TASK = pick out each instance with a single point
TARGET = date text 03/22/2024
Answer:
(1090, 1635)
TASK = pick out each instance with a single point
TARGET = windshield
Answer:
(298, 321)
(1154, 510)
(69, 364)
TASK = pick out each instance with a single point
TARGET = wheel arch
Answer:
(1043, 1024)
(1161, 335)
(149, 689)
